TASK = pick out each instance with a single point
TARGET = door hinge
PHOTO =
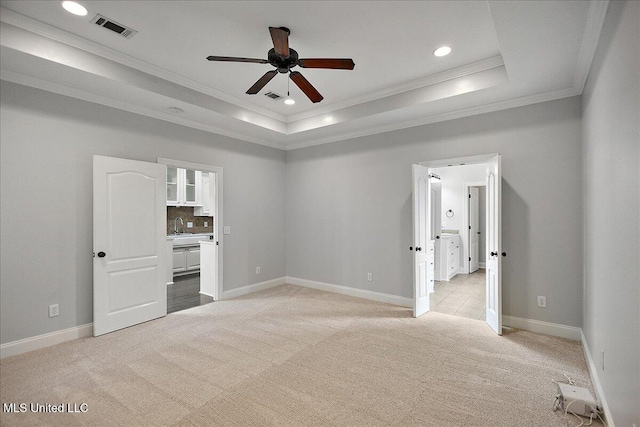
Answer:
(469, 195)
(469, 227)
(217, 243)
(469, 258)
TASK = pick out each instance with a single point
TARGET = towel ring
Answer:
(449, 214)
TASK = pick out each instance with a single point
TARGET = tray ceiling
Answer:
(504, 54)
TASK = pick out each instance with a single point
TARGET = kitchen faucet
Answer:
(175, 225)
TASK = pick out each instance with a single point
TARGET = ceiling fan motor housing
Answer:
(281, 63)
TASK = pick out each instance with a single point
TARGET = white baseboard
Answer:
(344, 290)
(540, 327)
(46, 340)
(482, 264)
(234, 293)
(593, 373)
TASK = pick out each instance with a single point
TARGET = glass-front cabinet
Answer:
(172, 186)
(190, 186)
(183, 187)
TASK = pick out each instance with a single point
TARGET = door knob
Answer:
(494, 253)
(101, 254)
(418, 249)
(437, 237)
(410, 248)
(504, 254)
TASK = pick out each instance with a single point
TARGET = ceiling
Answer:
(504, 54)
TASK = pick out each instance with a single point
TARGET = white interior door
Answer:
(474, 238)
(423, 248)
(129, 240)
(494, 258)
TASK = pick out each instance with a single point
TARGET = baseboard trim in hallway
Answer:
(345, 290)
(546, 328)
(45, 340)
(249, 289)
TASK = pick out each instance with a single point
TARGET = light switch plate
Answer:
(227, 229)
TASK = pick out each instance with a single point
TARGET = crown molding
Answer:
(37, 27)
(454, 73)
(13, 77)
(49, 86)
(457, 114)
(590, 40)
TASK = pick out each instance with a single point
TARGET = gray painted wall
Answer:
(611, 155)
(349, 205)
(46, 146)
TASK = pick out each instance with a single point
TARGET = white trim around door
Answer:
(218, 215)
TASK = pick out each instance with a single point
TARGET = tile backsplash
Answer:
(186, 213)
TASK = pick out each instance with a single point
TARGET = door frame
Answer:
(218, 214)
(470, 160)
(466, 221)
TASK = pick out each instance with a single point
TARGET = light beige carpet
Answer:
(292, 356)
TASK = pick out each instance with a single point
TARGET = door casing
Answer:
(489, 159)
(217, 216)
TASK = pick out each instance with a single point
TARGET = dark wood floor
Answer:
(185, 293)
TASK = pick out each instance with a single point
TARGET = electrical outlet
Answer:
(206, 224)
(54, 310)
(189, 224)
(370, 277)
(542, 301)
(257, 270)
(227, 229)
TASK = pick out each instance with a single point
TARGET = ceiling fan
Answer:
(284, 59)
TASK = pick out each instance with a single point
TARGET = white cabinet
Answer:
(193, 258)
(449, 257)
(186, 259)
(208, 187)
(183, 187)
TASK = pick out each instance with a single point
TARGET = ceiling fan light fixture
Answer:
(289, 101)
(73, 7)
(442, 51)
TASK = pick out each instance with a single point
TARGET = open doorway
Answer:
(194, 215)
(465, 282)
(459, 287)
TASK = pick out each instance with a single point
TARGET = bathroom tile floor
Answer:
(463, 295)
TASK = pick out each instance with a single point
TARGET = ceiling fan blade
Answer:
(333, 63)
(306, 87)
(280, 37)
(262, 82)
(234, 59)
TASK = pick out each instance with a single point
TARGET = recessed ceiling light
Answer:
(442, 51)
(75, 8)
(289, 101)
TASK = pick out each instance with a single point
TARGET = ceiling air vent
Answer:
(113, 26)
(272, 95)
